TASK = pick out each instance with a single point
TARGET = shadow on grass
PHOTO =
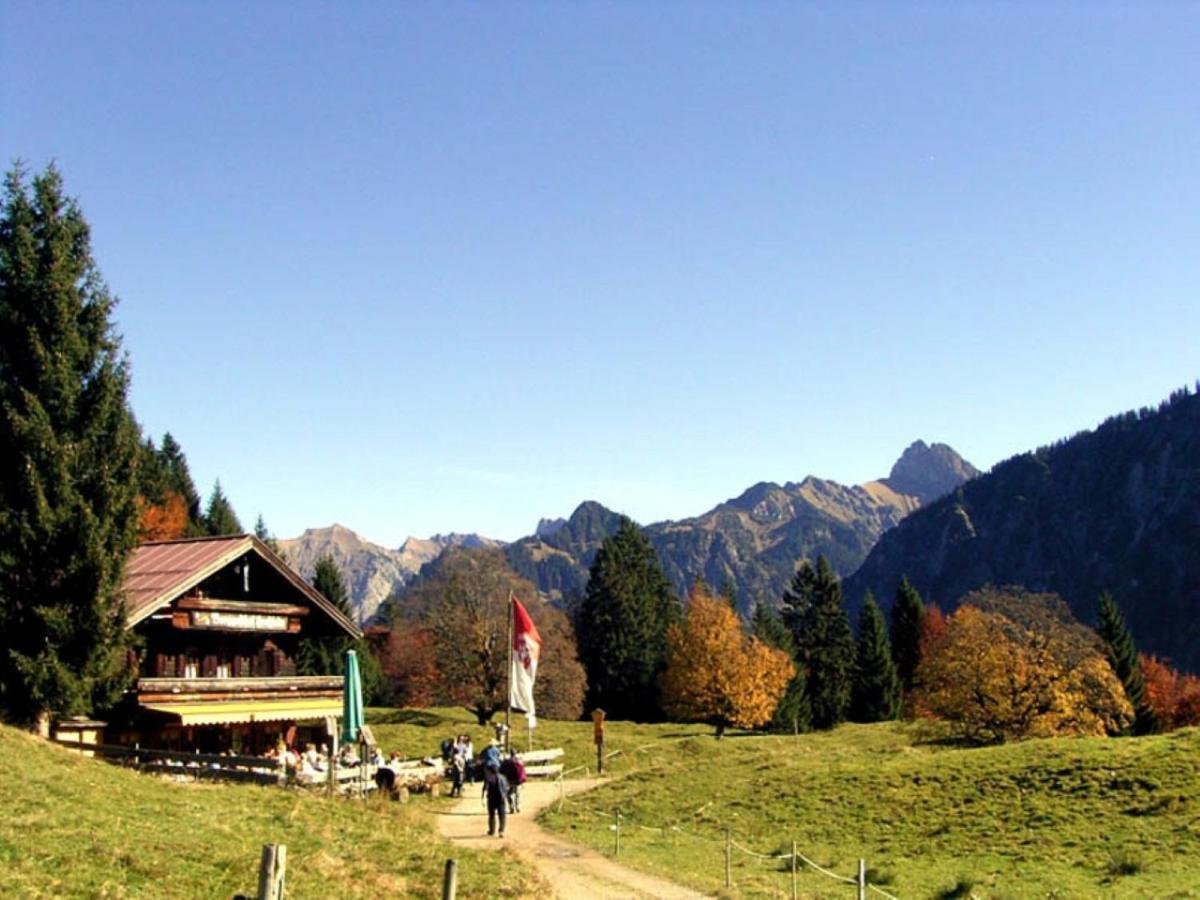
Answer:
(419, 717)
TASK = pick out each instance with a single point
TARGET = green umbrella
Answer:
(352, 702)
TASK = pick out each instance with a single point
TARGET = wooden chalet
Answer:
(221, 621)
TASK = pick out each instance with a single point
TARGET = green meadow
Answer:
(1065, 817)
(1048, 818)
(73, 827)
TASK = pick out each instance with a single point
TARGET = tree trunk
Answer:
(720, 730)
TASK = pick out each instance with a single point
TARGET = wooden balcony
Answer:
(175, 690)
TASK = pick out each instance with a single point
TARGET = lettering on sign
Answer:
(236, 621)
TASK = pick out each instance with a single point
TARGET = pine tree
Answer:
(263, 533)
(812, 610)
(794, 714)
(219, 517)
(68, 454)
(623, 625)
(908, 614)
(328, 579)
(876, 694)
(179, 480)
(1122, 656)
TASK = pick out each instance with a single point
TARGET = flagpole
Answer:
(512, 613)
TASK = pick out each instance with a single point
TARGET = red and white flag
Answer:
(527, 645)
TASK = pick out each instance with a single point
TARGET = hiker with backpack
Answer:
(514, 770)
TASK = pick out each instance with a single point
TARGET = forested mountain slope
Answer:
(1114, 509)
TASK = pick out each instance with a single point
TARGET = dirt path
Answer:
(572, 870)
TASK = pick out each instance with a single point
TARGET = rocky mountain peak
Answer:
(929, 471)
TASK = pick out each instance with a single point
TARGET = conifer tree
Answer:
(1122, 656)
(328, 579)
(68, 454)
(876, 694)
(908, 614)
(179, 480)
(263, 533)
(812, 610)
(219, 517)
(793, 714)
(623, 623)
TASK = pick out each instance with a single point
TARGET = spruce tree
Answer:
(68, 454)
(812, 610)
(179, 480)
(263, 533)
(876, 694)
(328, 579)
(623, 623)
(908, 617)
(1122, 656)
(219, 517)
(793, 715)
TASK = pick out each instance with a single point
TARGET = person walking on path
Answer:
(514, 770)
(495, 793)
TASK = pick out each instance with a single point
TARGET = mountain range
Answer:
(752, 541)
(372, 572)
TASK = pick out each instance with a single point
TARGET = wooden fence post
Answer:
(862, 879)
(272, 872)
(795, 894)
(450, 880)
(617, 829)
(728, 858)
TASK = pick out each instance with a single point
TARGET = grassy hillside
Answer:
(71, 827)
(1051, 818)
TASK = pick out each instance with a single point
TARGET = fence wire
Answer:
(594, 815)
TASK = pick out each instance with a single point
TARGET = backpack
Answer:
(491, 757)
(518, 769)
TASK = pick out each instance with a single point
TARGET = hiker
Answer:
(458, 772)
(514, 770)
(495, 792)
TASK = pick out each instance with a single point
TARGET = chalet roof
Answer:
(161, 571)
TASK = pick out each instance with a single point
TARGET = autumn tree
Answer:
(908, 616)
(409, 662)
(716, 673)
(876, 693)
(1032, 672)
(812, 610)
(1123, 657)
(168, 506)
(163, 521)
(793, 714)
(463, 603)
(68, 458)
(1174, 698)
(622, 625)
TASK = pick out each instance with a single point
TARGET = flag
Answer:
(527, 644)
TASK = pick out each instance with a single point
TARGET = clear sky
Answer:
(427, 267)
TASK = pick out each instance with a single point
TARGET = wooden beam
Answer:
(243, 606)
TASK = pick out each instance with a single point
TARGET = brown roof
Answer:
(159, 572)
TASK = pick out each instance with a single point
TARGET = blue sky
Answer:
(418, 268)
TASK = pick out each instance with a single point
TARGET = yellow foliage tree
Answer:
(718, 674)
(997, 680)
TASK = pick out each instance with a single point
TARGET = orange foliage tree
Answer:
(409, 662)
(716, 673)
(994, 679)
(164, 521)
(1174, 697)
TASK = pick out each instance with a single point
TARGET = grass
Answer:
(1048, 818)
(73, 827)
